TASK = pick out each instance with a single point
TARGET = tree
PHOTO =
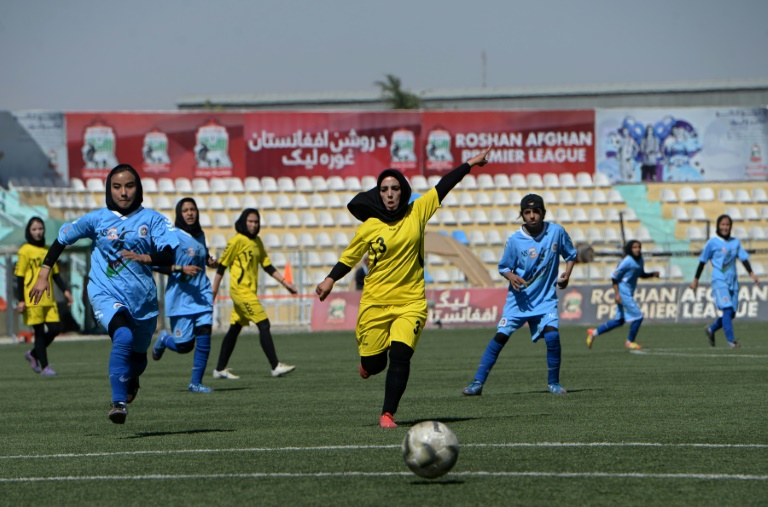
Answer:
(392, 92)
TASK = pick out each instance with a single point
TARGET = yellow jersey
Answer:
(395, 253)
(243, 256)
(30, 260)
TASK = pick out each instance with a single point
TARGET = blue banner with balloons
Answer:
(686, 144)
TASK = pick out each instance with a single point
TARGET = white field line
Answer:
(669, 353)
(367, 447)
(288, 475)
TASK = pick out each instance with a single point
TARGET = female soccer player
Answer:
(393, 306)
(127, 240)
(45, 314)
(530, 262)
(243, 255)
(722, 251)
(188, 296)
(624, 281)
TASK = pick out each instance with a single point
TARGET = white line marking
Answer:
(289, 475)
(365, 447)
(663, 352)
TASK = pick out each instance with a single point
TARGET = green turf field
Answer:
(678, 424)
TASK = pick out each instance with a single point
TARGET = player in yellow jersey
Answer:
(45, 313)
(243, 255)
(393, 306)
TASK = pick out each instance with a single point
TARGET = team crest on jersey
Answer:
(117, 305)
(554, 247)
(191, 251)
(503, 321)
(143, 231)
(112, 234)
(66, 229)
(177, 333)
(532, 253)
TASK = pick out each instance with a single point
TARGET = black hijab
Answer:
(138, 199)
(628, 248)
(242, 227)
(28, 235)
(369, 204)
(717, 227)
(193, 230)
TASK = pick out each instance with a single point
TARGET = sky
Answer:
(105, 55)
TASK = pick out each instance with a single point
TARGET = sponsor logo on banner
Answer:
(98, 150)
(336, 310)
(212, 150)
(756, 168)
(439, 157)
(571, 305)
(155, 152)
(402, 150)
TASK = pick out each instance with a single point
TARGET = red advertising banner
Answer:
(285, 143)
(336, 143)
(522, 141)
(451, 308)
(168, 145)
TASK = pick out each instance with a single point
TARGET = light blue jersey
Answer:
(537, 261)
(725, 282)
(724, 254)
(627, 273)
(184, 294)
(114, 283)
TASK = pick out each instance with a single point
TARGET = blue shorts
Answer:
(105, 307)
(536, 323)
(725, 296)
(183, 327)
(628, 309)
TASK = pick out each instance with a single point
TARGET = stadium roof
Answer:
(331, 99)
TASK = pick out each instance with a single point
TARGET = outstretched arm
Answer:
(454, 177)
(752, 274)
(325, 287)
(274, 273)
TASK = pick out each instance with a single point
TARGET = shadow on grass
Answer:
(444, 420)
(445, 482)
(222, 389)
(186, 432)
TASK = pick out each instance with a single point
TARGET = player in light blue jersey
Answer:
(723, 251)
(624, 280)
(530, 262)
(127, 240)
(188, 296)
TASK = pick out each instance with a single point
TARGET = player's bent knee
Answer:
(185, 347)
(202, 330)
(374, 364)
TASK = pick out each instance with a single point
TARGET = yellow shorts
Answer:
(246, 308)
(34, 315)
(378, 326)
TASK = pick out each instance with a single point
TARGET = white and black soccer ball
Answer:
(430, 449)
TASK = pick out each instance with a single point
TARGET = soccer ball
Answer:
(430, 449)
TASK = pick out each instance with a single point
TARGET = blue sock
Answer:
(728, 315)
(553, 356)
(717, 324)
(200, 360)
(633, 329)
(171, 343)
(489, 358)
(119, 363)
(611, 324)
